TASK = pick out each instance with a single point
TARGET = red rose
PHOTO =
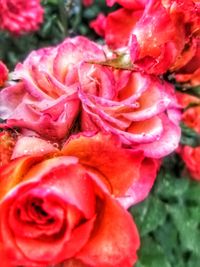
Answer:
(3, 73)
(157, 35)
(62, 206)
(185, 99)
(191, 116)
(191, 157)
(87, 2)
(20, 16)
(190, 73)
(99, 24)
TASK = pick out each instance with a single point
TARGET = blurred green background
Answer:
(169, 220)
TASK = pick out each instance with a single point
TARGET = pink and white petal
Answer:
(166, 144)
(152, 102)
(10, 97)
(27, 145)
(141, 188)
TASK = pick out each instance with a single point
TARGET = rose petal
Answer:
(32, 146)
(114, 243)
(10, 97)
(13, 173)
(114, 162)
(119, 26)
(168, 141)
(141, 188)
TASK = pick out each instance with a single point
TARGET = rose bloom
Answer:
(138, 108)
(20, 16)
(190, 73)
(3, 73)
(158, 35)
(46, 100)
(191, 158)
(191, 116)
(87, 2)
(191, 155)
(64, 205)
(185, 99)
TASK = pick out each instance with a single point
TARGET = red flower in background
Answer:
(20, 16)
(190, 73)
(3, 73)
(157, 34)
(87, 2)
(191, 157)
(191, 117)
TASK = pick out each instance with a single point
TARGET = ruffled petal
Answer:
(119, 166)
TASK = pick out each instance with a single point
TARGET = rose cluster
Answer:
(83, 137)
(158, 35)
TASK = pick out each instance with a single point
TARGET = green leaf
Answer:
(187, 88)
(167, 237)
(169, 187)
(192, 195)
(194, 261)
(151, 254)
(149, 215)
(187, 221)
(189, 136)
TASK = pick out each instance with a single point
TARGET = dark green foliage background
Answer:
(169, 220)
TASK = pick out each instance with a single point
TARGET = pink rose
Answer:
(60, 206)
(138, 108)
(20, 16)
(46, 100)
